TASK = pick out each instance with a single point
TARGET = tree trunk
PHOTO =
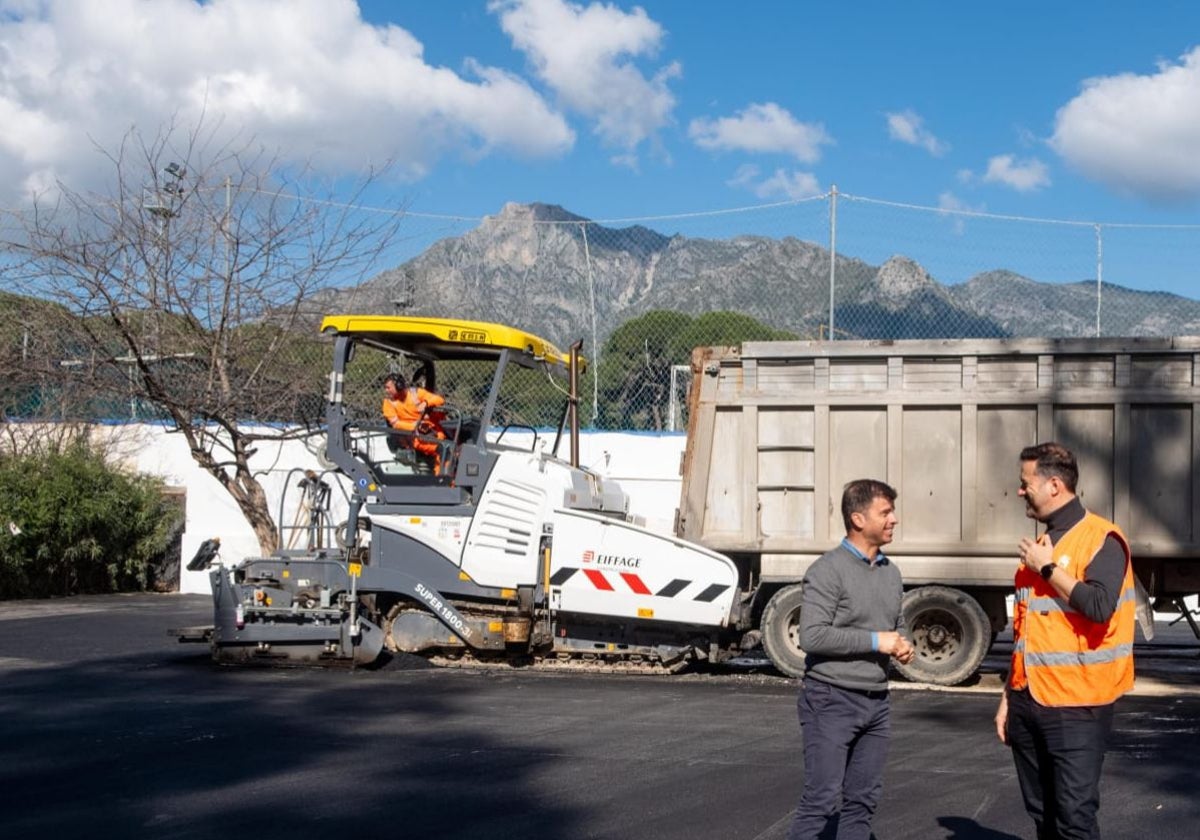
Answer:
(241, 485)
(253, 502)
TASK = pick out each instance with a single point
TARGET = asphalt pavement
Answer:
(109, 728)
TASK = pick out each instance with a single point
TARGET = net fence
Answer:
(241, 340)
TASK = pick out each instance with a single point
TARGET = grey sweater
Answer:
(846, 599)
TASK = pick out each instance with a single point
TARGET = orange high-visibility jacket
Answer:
(403, 414)
(1065, 658)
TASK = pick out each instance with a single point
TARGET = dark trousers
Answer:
(1059, 752)
(845, 737)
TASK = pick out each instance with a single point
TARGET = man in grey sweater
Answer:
(850, 628)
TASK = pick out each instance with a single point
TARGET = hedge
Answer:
(71, 523)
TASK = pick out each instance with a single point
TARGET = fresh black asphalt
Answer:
(108, 728)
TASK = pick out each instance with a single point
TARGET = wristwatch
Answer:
(1047, 570)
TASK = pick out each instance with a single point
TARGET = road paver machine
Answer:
(505, 551)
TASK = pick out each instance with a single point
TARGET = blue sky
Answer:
(973, 82)
(1074, 111)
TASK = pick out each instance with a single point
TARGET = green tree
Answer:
(636, 361)
(722, 329)
(634, 373)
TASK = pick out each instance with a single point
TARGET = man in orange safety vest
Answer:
(405, 408)
(1073, 622)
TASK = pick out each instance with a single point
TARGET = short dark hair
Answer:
(397, 380)
(1054, 461)
(860, 494)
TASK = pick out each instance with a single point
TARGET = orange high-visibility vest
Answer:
(1065, 658)
(404, 414)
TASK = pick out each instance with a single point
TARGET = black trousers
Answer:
(1059, 752)
(845, 735)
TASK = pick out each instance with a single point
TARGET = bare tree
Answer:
(183, 288)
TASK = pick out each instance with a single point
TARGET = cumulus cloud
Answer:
(780, 184)
(308, 77)
(949, 201)
(761, 128)
(1021, 175)
(585, 55)
(1137, 133)
(908, 127)
(958, 210)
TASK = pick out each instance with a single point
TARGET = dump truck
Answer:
(775, 430)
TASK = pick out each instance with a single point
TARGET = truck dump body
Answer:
(777, 428)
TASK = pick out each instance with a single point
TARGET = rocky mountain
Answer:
(1023, 307)
(546, 269)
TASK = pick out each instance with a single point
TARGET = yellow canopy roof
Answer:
(444, 337)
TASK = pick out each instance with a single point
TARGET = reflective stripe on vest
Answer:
(1032, 660)
(1063, 657)
(1062, 605)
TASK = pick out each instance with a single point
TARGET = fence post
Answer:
(832, 253)
(595, 365)
(673, 398)
(1099, 273)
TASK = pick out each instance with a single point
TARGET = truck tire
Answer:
(781, 630)
(950, 631)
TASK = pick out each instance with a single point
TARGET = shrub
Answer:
(71, 523)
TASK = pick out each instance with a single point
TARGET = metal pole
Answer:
(595, 366)
(574, 401)
(672, 403)
(832, 252)
(1099, 273)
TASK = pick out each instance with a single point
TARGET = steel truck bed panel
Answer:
(777, 428)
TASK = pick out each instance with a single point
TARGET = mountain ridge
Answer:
(543, 267)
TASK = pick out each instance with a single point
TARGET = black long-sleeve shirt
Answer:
(1096, 595)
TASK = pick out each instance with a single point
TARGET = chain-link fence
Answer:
(640, 293)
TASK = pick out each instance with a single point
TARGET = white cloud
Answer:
(958, 210)
(629, 161)
(781, 184)
(745, 176)
(950, 202)
(1137, 133)
(585, 55)
(309, 77)
(1021, 175)
(909, 127)
(762, 128)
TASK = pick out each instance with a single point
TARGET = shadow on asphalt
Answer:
(108, 728)
(147, 746)
(964, 828)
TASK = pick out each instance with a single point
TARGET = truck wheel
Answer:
(950, 631)
(781, 630)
